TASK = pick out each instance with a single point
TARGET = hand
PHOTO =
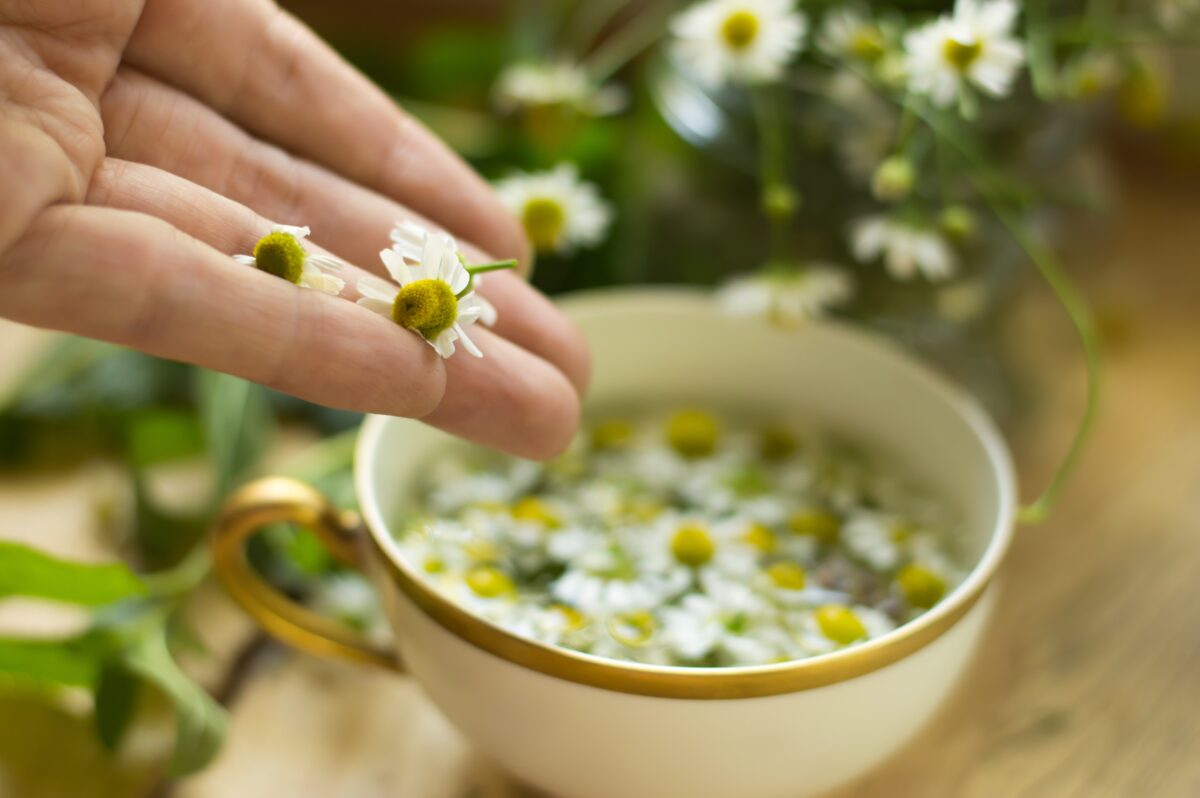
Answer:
(143, 142)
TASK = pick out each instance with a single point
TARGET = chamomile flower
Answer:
(786, 299)
(436, 298)
(704, 625)
(973, 45)
(850, 32)
(906, 248)
(280, 253)
(743, 41)
(558, 210)
(555, 83)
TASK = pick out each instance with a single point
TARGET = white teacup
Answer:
(579, 726)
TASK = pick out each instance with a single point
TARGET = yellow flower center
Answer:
(739, 30)
(434, 565)
(693, 433)
(962, 55)
(867, 44)
(921, 586)
(761, 538)
(489, 582)
(776, 443)
(840, 624)
(481, 550)
(543, 219)
(536, 511)
(692, 546)
(819, 524)
(787, 575)
(632, 628)
(573, 619)
(280, 254)
(427, 306)
(612, 434)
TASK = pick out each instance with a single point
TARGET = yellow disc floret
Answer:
(536, 511)
(632, 628)
(962, 55)
(840, 624)
(693, 433)
(787, 575)
(280, 254)
(427, 306)
(921, 586)
(739, 30)
(867, 44)
(488, 582)
(611, 434)
(820, 524)
(692, 546)
(776, 443)
(543, 219)
(760, 537)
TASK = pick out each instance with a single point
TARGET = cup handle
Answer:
(278, 499)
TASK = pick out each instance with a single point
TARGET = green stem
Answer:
(1071, 300)
(1039, 37)
(589, 20)
(778, 197)
(628, 43)
(495, 266)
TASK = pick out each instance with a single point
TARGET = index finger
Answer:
(268, 72)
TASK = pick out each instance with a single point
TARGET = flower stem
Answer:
(628, 43)
(494, 266)
(1068, 296)
(778, 198)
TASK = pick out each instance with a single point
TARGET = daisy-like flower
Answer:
(906, 249)
(550, 83)
(974, 45)
(745, 41)
(850, 32)
(724, 624)
(436, 298)
(280, 253)
(786, 299)
(558, 210)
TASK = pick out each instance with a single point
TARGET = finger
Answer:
(135, 280)
(149, 122)
(269, 73)
(509, 399)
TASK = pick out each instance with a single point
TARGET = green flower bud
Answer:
(894, 179)
(958, 223)
(543, 220)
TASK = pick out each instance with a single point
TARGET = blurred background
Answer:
(1087, 683)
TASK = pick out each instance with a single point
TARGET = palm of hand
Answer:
(141, 143)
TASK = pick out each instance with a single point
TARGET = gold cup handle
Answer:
(274, 500)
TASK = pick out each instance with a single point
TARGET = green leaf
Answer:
(69, 662)
(160, 435)
(200, 722)
(25, 571)
(163, 539)
(116, 700)
(64, 361)
(237, 423)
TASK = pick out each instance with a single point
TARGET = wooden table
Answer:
(1088, 682)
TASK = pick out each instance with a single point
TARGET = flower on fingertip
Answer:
(436, 297)
(282, 254)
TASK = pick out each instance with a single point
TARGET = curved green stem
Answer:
(778, 197)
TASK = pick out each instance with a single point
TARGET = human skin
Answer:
(143, 142)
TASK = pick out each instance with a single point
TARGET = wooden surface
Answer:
(1088, 682)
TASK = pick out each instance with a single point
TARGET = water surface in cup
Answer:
(684, 538)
